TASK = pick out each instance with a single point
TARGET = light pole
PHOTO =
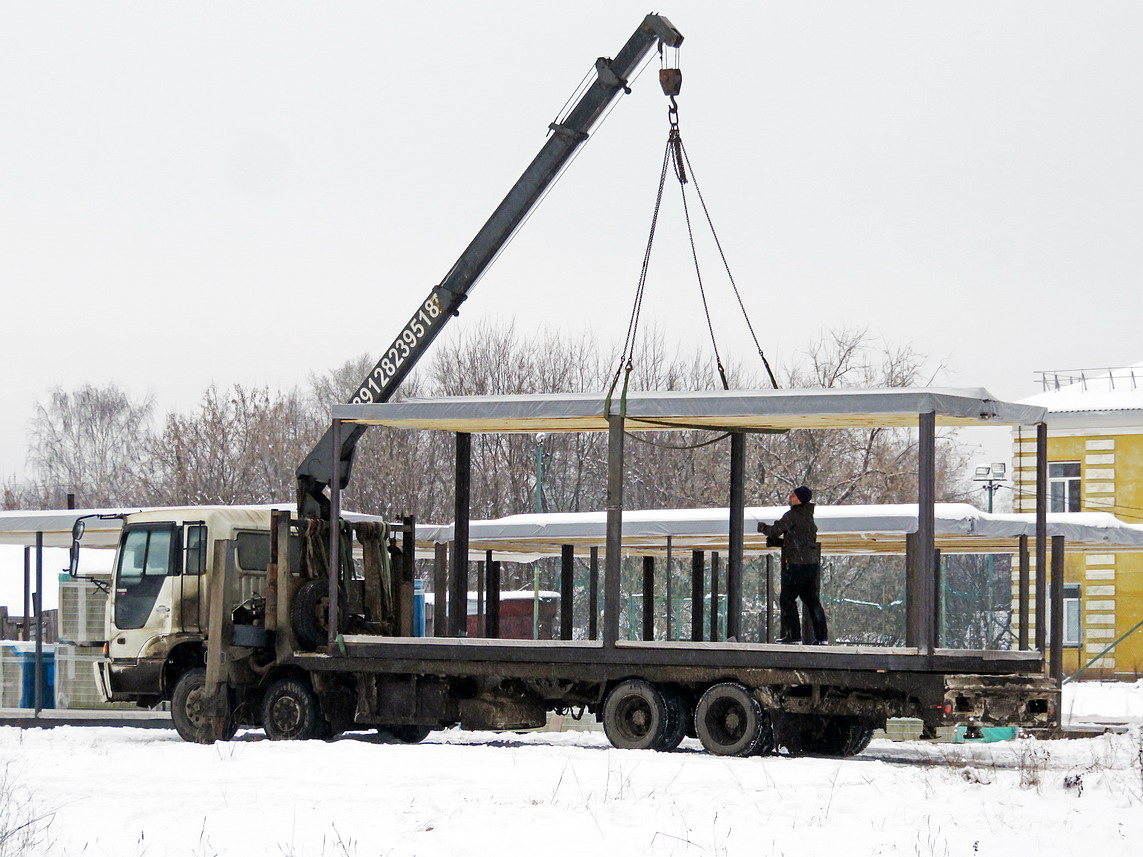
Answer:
(992, 476)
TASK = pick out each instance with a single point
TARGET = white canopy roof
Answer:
(960, 528)
(102, 526)
(712, 409)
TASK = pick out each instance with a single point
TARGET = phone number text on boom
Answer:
(404, 345)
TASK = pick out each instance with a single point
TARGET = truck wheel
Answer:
(679, 720)
(191, 710)
(309, 613)
(859, 737)
(635, 716)
(731, 722)
(290, 712)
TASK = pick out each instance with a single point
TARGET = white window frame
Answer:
(1064, 487)
(1073, 615)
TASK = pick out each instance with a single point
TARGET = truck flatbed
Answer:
(448, 656)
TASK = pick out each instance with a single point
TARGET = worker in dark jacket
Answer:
(797, 535)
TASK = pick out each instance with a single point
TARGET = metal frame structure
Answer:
(740, 412)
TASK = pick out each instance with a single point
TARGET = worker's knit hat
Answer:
(803, 494)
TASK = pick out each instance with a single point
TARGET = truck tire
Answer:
(191, 711)
(636, 716)
(859, 738)
(291, 712)
(680, 719)
(731, 722)
(309, 613)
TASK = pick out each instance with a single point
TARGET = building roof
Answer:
(1114, 392)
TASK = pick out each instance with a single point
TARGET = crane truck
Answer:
(226, 613)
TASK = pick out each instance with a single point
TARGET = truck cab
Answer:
(157, 612)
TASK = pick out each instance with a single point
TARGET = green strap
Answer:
(1081, 670)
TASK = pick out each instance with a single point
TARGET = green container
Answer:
(988, 735)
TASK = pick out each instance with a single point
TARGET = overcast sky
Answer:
(252, 192)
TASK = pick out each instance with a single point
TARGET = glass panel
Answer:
(196, 550)
(1056, 502)
(144, 563)
(1071, 621)
(253, 551)
(159, 553)
(1063, 469)
(132, 557)
(1074, 496)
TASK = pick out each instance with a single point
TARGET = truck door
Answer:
(145, 579)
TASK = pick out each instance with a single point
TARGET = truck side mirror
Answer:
(73, 554)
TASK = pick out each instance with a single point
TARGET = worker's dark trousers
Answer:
(804, 582)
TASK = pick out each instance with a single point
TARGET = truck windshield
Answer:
(144, 563)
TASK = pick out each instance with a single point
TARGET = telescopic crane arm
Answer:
(445, 299)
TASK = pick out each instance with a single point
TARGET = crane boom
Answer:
(445, 299)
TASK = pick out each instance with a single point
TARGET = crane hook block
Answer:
(671, 79)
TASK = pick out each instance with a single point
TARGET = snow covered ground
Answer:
(123, 792)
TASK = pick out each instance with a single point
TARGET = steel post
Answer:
(39, 666)
(1057, 623)
(614, 543)
(920, 630)
(698, 571)
(26, 621)
(1041, 537)
(440, 590)
(408, 572)
(734, 559)
(714, 595)
(593, 596)
(769, 631)
(648, 598)
(493, 624)
(1022, 610)
(458, 584)
(334, 540)
(567, 590)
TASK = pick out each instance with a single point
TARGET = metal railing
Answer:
(1116, 377)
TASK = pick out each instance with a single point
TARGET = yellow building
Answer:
(1095, 464)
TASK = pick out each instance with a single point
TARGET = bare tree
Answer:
(240, 446)
(92, 442)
